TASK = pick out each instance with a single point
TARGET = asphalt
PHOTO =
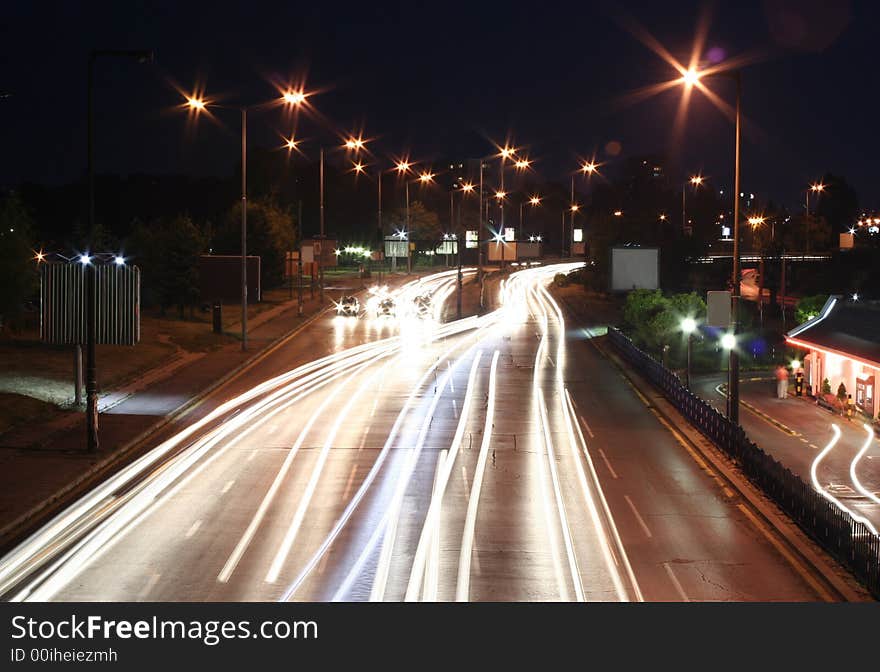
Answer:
(494, 458)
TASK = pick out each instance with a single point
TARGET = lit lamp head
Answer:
(500, 195)
(535, 200)
(689, 325)
(588, 168)
(196, 104)
(424, 178)
(728, 341)
(507, 152)
(358, 168)
(690, 77)
(522, 164)
(402, 166)
(467, 187)
(294, 97)
(697, 180)
(795, 364)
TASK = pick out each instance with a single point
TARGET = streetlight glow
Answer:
(197, 104)
(690, 76)
(355, 143)
(426, 177)
(119, 260)
(294, 97)
(522, 164)
(575, 207)
(688, 325)
(697, 180)
(500, 194)
(535, 200)
(402, 166)
(358, 168)
(467, 187)
(728, 341)
(589, 168)
(817, 187)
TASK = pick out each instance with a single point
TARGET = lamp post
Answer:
(466, 188)
(424, 178)
(696, 181)
(141, 56)
(688, 326)
(198, 105)
(691, 77)
(817, 188)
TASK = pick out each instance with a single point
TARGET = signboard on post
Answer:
(394, 247)
(718, 308)
(63, 304)
(220, 278)
(291, 264)
(635, 268)
(470, 239)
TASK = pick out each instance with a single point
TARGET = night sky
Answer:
(443, 78)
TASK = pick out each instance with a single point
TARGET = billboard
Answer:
(470, 239)
(63, 307)
(635, 268)
(394, 247)
(718, 309)
(220, 278)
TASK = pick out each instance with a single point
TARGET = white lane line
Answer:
(193, 528)
(608, 463)
(151, 583)
(455, 409)
(373, 411)
(675, 582)
(253, 454)
(462, 588)
(271, 428)
(227, 486)
(586, 426)
(432, 518)
(638, 516)
(354, 469)
(464, 478)
(364, 437)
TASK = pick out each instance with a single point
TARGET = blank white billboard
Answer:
(635, 268)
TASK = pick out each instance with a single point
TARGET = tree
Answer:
(423, 223)
(167, 250)
(809, 306)
(18, 280)
(271, 233)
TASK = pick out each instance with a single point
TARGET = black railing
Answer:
(848, 540)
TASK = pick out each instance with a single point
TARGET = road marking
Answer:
(455, 409)
(798, 567)
(639, 518)
(271, 428)
(676, 582)
(608, 464)
(354, 468)
(465, 478)
(813, 445)
(194, 528)
(364, 437)
(252, 455)
(587, 427)
(373, 411)
(226, 487)
(151, 583)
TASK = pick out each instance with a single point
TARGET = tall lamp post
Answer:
(690, 78)
(695, 181)
(141, 56)
(817, 188)
(688, 326)
(198, 105)
(458, 237)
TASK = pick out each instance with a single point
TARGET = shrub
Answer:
(826, 386)
(560, 280)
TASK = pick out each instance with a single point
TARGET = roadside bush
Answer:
(560, 280)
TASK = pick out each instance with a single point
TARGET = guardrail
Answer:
(848, 540)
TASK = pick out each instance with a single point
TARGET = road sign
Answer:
(718, 309)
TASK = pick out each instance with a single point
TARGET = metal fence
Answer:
(848, 540)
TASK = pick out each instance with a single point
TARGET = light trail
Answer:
(827, 495)
(432, 519)
(869, 440)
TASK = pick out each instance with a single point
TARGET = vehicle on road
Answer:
(348, 306)
(422, 305)
(386, 307)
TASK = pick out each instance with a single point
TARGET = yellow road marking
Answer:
(793, 561)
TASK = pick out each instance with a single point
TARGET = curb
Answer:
(826, 568)
(19, 527)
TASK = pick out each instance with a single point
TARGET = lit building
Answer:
(843, 347)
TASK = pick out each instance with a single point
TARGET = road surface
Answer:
(497, 457)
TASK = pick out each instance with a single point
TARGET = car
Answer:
(385, 307)
(422, 305)
(348, 306)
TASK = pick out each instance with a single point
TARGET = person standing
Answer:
(781, 382)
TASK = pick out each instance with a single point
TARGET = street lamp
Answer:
(534, 201)
(425, 177)
(695, 181)
(466, 188)
(688, 326)
(690, 78)
(140, 56)
(198, 105)
(816, 188)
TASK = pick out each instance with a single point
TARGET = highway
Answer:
(494, 458)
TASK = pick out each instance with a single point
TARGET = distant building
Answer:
(843, 346)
